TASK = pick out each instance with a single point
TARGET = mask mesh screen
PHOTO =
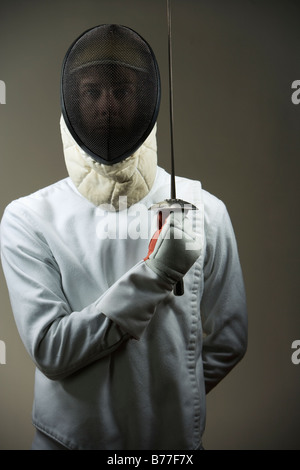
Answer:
(110, 92)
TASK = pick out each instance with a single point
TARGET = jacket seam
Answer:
(192, 346)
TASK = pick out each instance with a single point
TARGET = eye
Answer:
(92, 93)
(123, 92)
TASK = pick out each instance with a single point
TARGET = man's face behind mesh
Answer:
(111, 105)
(108, 99)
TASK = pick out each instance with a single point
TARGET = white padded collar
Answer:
(104, 184)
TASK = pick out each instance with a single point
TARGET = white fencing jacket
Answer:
(121, 362)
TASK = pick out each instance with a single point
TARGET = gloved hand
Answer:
(170, 254)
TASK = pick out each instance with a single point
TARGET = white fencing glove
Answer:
(174, 248)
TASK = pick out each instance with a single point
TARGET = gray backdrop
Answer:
(236, 129)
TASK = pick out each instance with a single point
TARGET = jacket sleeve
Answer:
(223, 306)
(61, 341)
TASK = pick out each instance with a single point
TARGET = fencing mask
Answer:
(110, 92)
